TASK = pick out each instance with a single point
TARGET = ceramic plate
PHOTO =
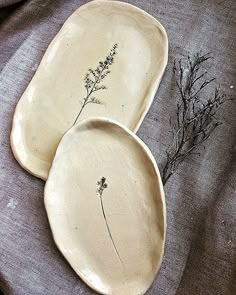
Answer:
(105, 203)
(133, 44)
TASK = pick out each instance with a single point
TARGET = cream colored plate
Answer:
(114, 240)
(53, 99)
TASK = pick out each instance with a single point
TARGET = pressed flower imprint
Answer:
(94, 78)
(101, 186)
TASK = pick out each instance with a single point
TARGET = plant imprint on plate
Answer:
(101, 186)
(94, 78)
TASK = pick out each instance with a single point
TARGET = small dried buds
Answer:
(101, 185)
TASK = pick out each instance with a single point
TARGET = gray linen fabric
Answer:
(4, 3)
(200, 254)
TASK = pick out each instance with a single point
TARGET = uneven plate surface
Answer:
(105, 203)
(53, 99)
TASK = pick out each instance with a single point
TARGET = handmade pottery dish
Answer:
(132, 43)
(106, 207)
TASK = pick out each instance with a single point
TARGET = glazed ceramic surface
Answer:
(52, 100)
(113, 238)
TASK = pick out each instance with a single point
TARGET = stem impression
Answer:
(101, 185)
(94, 77)
(196, 117)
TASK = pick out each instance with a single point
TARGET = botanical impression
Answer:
(101, 186)
(196, 116)
(94, 78)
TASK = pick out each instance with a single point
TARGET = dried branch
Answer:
(196, 117)
(93, 79)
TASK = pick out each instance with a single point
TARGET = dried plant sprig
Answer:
(94, 78)
(196, 117)
(101, 186)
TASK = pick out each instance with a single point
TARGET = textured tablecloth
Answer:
(200, 254)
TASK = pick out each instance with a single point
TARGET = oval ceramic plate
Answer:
(105, 203)
(135, 46)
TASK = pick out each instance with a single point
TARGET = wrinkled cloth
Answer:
(200, 250)
(4, 3)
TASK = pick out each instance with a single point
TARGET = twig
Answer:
(196, 117)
